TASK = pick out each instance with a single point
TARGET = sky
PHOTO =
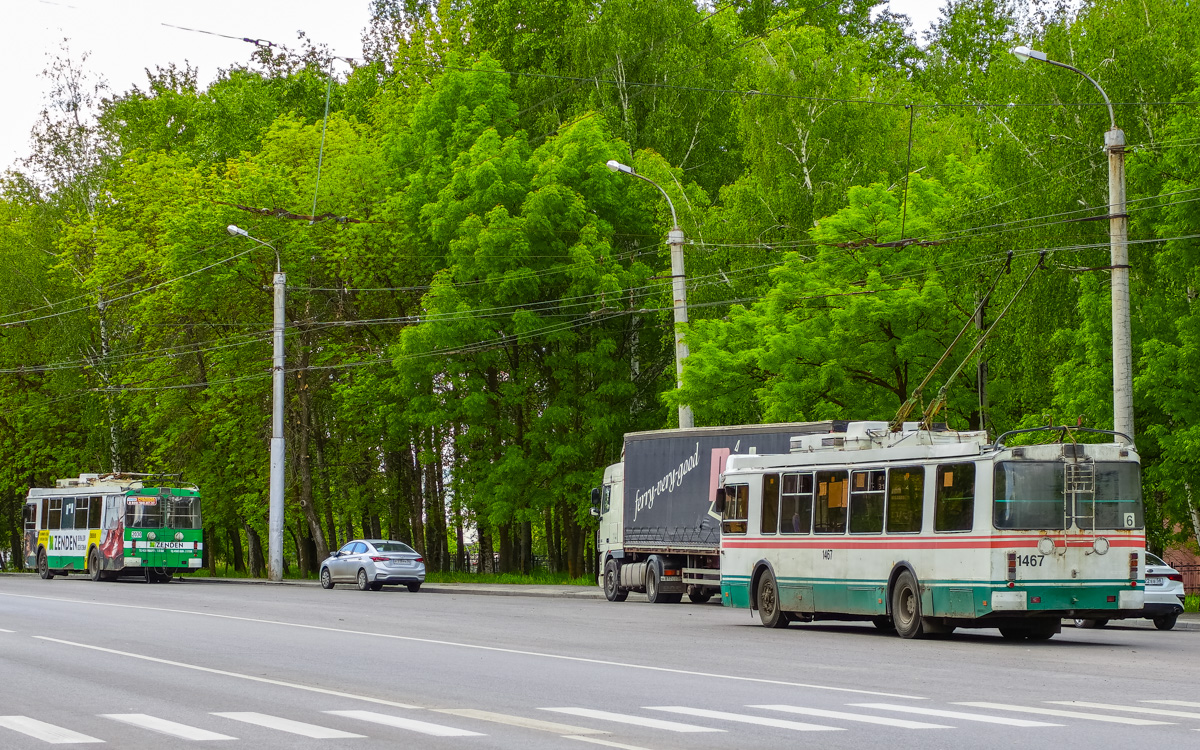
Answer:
(123, 38)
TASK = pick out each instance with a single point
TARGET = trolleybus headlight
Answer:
(179, 536)
(1101, 545)
(1046, 545)
(152, 536)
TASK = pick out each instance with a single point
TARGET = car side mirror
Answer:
(595, 497)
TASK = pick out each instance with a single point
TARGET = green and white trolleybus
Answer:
(925, 531)
(111, 525)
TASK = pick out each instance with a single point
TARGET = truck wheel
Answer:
(906, 606)
(698, 595)
(612, 581)
(768, 603)
(652, 584)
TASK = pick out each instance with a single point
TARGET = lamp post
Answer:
(1118, 234)
(275, 512)
(678, 286)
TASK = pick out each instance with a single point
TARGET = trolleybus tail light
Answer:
(1133, 566)
(1012, 567)
(1112, 598)
(1035, 599)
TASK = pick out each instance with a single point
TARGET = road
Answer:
(264, 666)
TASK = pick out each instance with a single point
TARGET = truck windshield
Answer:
(1049, 494)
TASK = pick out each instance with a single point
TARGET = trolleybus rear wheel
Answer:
(94, 571)
(768, 603)
(906, 606)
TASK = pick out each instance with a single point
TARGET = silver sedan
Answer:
(372, 564)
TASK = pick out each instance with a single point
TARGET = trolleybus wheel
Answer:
(326, 579)
(1166, 622)
(768, 603)
(43, 566)
(612, 583)
(94, 571)
(906, 606)
(363, 583)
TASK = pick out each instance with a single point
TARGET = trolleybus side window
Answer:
(55, 513)
(95, 506)
(906, 499)
(30, 516)
(82, 505)
(1029, 495)
(796, 505)
(867, 489)
(737, 503)
(830, 512)
(770, 504)
(954, 506)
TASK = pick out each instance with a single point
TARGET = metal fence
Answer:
(1191, 577)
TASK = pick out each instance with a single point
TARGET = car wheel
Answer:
(906, 606)
(768, 603)
(94, 571)
(1166, 622)
(43, 566)
(326, 579)
(1083, 622)
(376, 586)
(414, 587)
(612, 581)
(363, 583)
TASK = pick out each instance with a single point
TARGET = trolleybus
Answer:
(112, 525)
(924, 531)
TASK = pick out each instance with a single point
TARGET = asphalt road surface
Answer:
(258, 666)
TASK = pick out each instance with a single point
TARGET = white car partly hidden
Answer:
(1164, 596)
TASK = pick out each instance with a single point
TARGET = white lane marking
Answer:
(2, 630)
(1130, 709)
(1057, 712)
(799, 726)
(497, 649)
(40, 730)
(964, 715)
(846, 716)
(287, 725)
(606, 743)
(641, 721)
(1185, 704)
(222, 672)
(518, 721)
(424, 727)
(155, 724)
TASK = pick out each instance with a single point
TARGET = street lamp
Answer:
(275, 513)
(1118, 236)
(678, 285)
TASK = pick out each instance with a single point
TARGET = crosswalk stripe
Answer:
(172, 728)
(400, 722)
(286, 725)
(518, 721)
(1064, 714)
(40, 730)
(1131, 709)
(1185, 704)
(745, 719)
(963, 715)
(605, 743)
(846, 716)
(641, 721)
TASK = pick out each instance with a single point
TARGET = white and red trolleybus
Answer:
(925, 531)
(113, 525)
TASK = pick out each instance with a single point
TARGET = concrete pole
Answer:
(275, 517)
(679, 288)
(1118, 233)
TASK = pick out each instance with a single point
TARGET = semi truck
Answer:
(658, 532)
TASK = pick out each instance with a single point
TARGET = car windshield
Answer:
(392, 547)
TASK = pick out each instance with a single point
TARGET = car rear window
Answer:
(392, 547)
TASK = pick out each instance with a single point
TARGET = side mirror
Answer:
(595, 497)
(719, 501)
(595, 512)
